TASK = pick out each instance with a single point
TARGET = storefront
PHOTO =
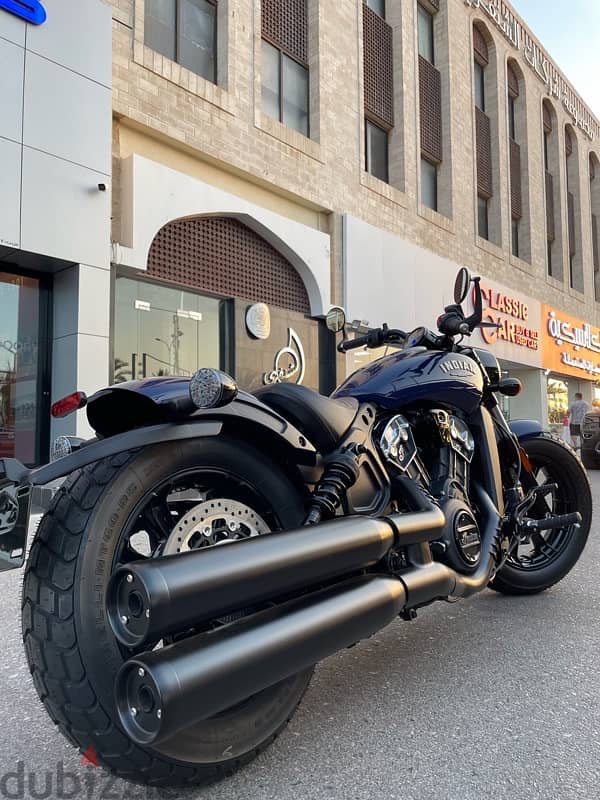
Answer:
(55, 162)
(215, 294)
(571, 360)
(214, 279)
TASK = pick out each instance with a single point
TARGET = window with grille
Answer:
(430, 108)
(514, 154)
(184, 31)
(483, 138)
(284, 62)
(378, 78)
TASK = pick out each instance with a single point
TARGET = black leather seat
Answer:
(322, 420)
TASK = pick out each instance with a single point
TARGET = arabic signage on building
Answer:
(517, 337)
(570, 346)
(503, 17)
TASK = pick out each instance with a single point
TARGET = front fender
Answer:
(526, 428)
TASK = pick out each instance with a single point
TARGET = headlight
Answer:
(211, 388)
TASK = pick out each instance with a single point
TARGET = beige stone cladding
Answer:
(218, 130)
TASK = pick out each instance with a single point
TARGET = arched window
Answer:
(554, 258)
(594, 168)
(517, 148)
(485, 97)
(573, 210)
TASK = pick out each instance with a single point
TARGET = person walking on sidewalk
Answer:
(577, 412)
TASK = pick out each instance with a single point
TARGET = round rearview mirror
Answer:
(461, 285)
(335, 319)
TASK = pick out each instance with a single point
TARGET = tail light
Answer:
(68, 404)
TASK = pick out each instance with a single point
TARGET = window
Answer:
(284, 88)
(429, 184)
(546, 138)
(162, 330)
(479, 86)
(376, 149)
(24, 368)
(482, 217)
(511, 117)
(378, 6)
(515, 237)
(425, 33)
(184, 31)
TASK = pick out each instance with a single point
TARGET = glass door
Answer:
(24, 374)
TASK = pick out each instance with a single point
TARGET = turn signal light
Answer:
(68, 404)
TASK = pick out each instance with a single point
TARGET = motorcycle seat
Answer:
(322, 420)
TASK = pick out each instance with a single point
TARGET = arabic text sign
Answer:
(570, 346)
(506, 21)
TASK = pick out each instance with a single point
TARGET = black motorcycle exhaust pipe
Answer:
(147, 600)
(162, 692)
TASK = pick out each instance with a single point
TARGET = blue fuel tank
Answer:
(417, 375)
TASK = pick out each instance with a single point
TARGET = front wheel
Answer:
(548, 556)
(159, 501)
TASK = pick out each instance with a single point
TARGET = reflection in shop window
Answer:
(558, 400)
(160, 330)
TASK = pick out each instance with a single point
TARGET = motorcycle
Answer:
(210, 546)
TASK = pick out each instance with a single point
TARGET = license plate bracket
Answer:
(15, 504)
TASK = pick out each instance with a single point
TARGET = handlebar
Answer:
(374, 338)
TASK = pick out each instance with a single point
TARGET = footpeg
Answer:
(551, 523)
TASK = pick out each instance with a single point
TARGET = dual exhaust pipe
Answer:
(163, 691)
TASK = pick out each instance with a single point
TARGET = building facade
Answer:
(273, 157)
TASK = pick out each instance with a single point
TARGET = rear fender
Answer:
(243, 416)
(246, 417)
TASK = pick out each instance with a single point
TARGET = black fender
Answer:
(109, 409)
(526, 428)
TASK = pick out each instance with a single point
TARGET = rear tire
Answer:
(72, 653)
(550, 453)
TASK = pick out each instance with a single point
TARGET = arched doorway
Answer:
(188, 309)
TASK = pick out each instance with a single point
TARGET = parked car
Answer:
(590, 439)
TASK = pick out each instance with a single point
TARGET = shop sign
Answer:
(571, 346)
(289, 362)
(503, 17)
(29, 10)
(511, 313)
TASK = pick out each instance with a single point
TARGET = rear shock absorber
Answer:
(340, 473)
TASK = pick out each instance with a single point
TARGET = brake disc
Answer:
(214, 522)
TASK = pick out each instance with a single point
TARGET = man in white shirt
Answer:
(577, 412)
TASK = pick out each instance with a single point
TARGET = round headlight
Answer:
(211, 388)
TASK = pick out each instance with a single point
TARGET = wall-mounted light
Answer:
(101, 187)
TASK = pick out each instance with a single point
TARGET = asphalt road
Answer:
(491, 697)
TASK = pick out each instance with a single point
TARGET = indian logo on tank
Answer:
(458, 367)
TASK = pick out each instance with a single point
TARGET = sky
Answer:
(569, 31)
